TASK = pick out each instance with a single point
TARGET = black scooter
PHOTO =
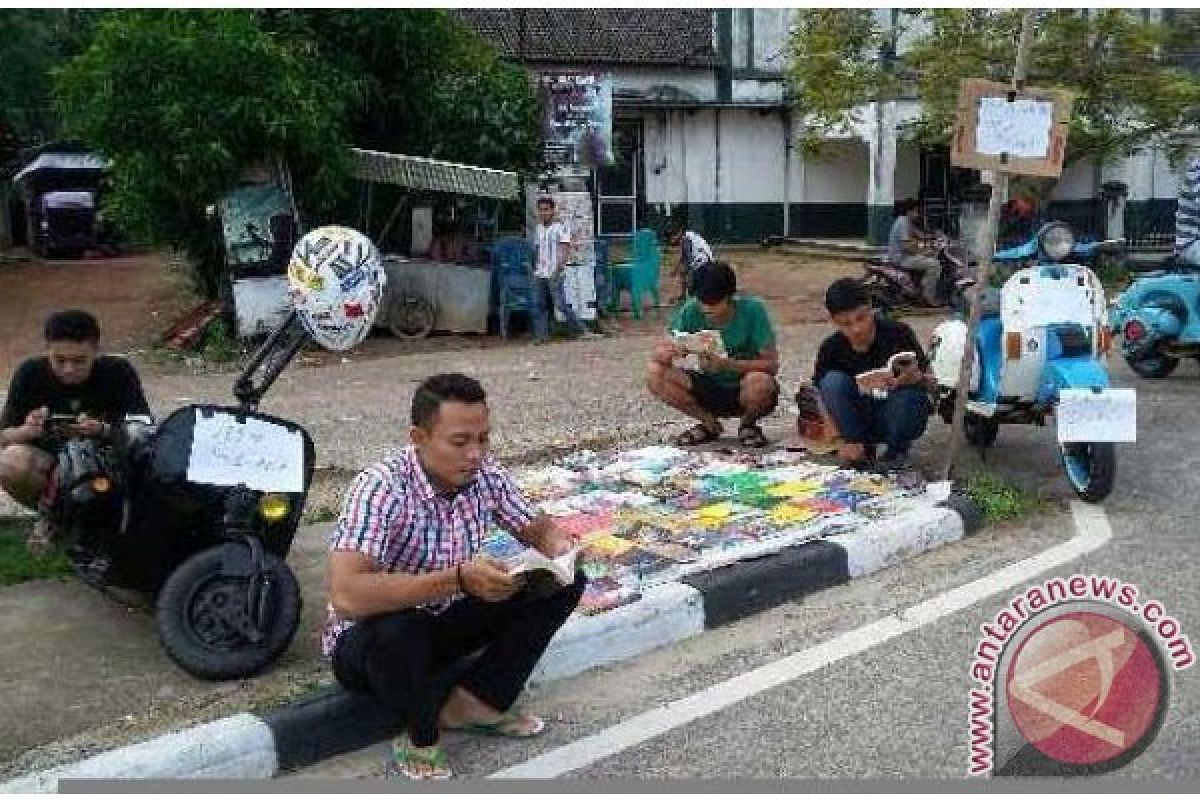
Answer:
(894, 289)
(135, 515)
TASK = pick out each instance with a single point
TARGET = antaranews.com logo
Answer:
(1072, 678)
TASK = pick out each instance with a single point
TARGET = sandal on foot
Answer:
(512, 724)
(418, 763)
(696, 435)
(752, 436)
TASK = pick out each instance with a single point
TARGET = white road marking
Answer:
(1092, 532)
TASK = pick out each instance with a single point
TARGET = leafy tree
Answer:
(428, 85)
(1128, 93)
(32, 43)
(183, 101)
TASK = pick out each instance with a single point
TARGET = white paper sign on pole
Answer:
(1019, 129)
(1088, 416)
(258, 454)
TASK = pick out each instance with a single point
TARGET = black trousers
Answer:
(411, 660)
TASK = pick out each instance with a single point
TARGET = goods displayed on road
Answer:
(657, 514)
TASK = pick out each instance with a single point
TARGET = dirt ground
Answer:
(138, 297)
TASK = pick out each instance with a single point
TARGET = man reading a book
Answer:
(412, 596)
(737, 380)
(873, 380)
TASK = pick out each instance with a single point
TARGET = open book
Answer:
(897, 363)
(701, 343)
(544, 575)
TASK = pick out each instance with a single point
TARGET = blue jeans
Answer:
(548, 294)
(897, 421)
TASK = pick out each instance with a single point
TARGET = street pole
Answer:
(983, 276)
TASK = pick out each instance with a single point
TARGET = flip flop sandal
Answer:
(408, 762)
(507, 725)
(752, 436)
(694, 436)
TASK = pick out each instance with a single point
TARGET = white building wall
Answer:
(700, 83)
(840, 174)
(682, 156)
(752, 157)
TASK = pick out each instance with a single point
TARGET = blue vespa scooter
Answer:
(1158, 320)
(1041, 333)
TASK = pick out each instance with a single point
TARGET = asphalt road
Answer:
(897, 708)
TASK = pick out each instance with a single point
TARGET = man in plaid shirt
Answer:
(411, 596)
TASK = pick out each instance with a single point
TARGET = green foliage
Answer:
(428, 85)
(1127, 92)
(834, 69)
(999, 500)
(220, 344)
(183, 101)
(17, 565)
(32, 43)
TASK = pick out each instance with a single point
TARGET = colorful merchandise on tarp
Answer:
(336, 281)
(577, 117)
(658, 513)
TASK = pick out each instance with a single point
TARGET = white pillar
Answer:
(881, 190)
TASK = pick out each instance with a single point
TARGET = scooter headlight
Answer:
(1056, 242)
(274, 507)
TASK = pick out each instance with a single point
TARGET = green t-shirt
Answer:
(747, 334)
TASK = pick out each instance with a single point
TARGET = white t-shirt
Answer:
(547, 240)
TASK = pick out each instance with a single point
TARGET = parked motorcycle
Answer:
(1040, 334)
(200, 510)
(893, 288)
(1158, 319)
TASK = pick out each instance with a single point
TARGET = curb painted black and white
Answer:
(246, 746)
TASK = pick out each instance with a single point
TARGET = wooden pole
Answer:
(983, 276)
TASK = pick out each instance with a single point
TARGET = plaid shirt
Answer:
(393, 514)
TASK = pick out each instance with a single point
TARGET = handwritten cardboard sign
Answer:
(258, 454)
(1087, 416)
(1001, 130)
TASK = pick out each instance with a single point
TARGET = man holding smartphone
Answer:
(71, 379)
(872, 395)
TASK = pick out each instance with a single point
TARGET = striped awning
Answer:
(438, 176)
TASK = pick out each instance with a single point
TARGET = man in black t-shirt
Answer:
(891, 409)
(71, 379)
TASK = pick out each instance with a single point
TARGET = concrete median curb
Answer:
(246, 746)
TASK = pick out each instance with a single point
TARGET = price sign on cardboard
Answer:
(1022, 132)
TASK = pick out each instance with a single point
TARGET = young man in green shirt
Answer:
(740, 384)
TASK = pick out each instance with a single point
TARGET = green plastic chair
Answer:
(639, 276)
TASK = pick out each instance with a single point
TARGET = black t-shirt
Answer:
(110, 392)
(891, 337)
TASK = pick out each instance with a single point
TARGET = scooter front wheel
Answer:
(1091, 469)
(1154, 366)
(220, 621)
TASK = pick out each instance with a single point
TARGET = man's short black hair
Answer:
(716, 282)
(906, 205)
(72, 325)
(450, 387)
(545, 200)
(845, 294)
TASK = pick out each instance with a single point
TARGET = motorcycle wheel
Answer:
(190, 611)
(1153, 366)
(412, 316)
(980, 431)
(1091, 469)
